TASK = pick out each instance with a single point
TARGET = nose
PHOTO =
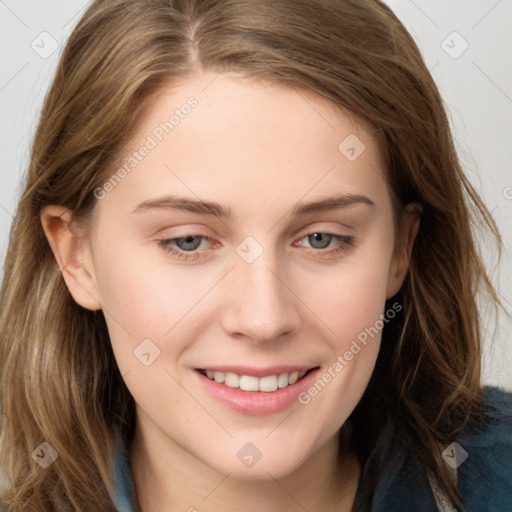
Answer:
(261, 306)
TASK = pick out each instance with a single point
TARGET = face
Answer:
(242, 262)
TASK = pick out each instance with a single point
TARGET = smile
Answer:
(267, 384)
(256, 391)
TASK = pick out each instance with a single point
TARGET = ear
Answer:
(72, 252)
(399, 265)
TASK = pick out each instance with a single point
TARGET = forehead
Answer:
(223, 136)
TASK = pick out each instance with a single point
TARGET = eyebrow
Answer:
(185, 204)
(331, 203)
(217, 210)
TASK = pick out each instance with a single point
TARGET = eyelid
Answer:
(299, 234)
(320, 227)
(182, 230)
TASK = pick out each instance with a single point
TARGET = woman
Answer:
(242, 274)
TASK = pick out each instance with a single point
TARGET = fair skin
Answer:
(257, 150)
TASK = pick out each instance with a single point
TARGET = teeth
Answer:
(282, 380)
(267, 384)
(293, 378)
(232, 380)
(248, 383)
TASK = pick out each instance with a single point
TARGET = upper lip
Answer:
(258, 372)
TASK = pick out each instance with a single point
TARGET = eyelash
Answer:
(345, 242)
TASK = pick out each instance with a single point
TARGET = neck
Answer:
(172, 479)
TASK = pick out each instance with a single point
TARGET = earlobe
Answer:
(72, 253)
(400, 261)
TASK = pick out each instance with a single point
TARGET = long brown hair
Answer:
(60, 381)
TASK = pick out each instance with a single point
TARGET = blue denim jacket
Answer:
(484, 477)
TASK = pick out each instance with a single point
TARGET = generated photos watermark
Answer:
(156, 136)
(342, 361)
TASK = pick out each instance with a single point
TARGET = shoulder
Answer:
(394, 477)
(483, 456)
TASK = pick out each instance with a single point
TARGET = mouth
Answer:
(256, 392)
(268, 382)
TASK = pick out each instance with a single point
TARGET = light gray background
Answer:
(476, 85)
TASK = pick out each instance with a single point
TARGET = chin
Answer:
(276, 464)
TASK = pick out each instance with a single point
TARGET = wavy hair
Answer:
(60, 383)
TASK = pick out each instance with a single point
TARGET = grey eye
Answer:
(189, 242)
(320, 240)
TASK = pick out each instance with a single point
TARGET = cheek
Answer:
(352, 306)
(351, 297)
(145, 299)
(138, 299)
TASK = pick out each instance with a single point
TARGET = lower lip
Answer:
(257, 403)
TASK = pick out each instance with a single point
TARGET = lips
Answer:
(256, 391)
